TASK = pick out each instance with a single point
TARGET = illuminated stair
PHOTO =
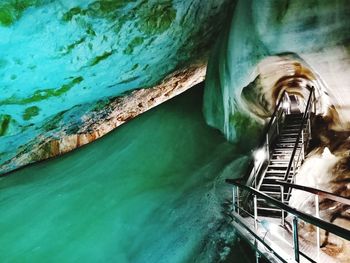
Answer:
(278, 165)
(261, 213)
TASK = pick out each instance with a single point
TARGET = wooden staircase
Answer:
(278, 165)
(260, 205)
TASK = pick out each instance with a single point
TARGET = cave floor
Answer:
(281, 240)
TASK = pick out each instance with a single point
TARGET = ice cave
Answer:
(174, 131)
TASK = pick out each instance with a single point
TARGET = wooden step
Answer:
(282, 149)
(294, 114)
(286, 145)
(270, 187)
(292, 129)
(281, 162)
(277, 172)
(292, 122)
(289, 118)
(280, 156)
(270, 212)
(279, 159)
(294, 138)
(278, 166)
(274, 193)
(263, 203)
(273, 171)
(268, 181)
(288, 141)
(272, 181)
(289, 136)
(293, 125)
(286, 136)
(268, 208)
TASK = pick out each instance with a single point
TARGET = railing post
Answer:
(296, 239)
(256, 227)
(237, 200)
(277, 122)
(267, 146)
(282, 200)
(314, 100)
(234, 208)
(286, 176)
(302, 144)
(309, 124)
(317, 228)
(255, 213)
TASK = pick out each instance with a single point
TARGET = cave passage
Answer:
(151, 191)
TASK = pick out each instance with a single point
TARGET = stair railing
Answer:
(274, 126)
(317, 194)
(272, 131)
(297, 215)
(304, 135)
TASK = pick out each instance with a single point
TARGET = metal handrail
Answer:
(270, 130)
(301, 129)
(266, 139)
(318, 192)
(262, 241)
(275, 111)
(332, 228)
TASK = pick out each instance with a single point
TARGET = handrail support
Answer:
(296, 239)
(255, 213)
(317, 214)
(282, 200)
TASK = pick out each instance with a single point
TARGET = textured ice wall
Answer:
(262, 37)
(316, 31)
(57, 54)
(65, 55)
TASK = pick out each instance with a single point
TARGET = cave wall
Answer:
(60, 60)
(265, 42)
(317, 32)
